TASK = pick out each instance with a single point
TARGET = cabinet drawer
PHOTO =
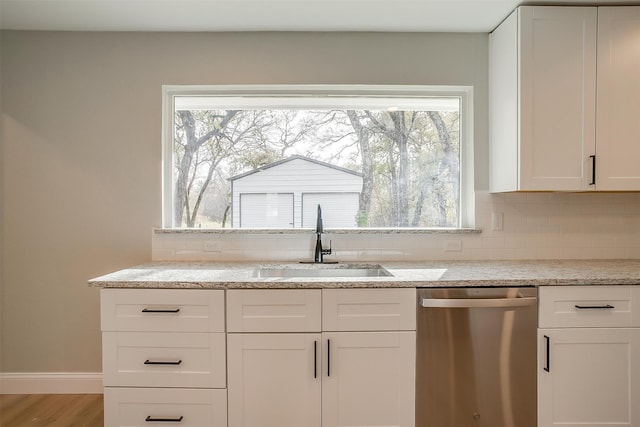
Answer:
(137, 407)
(162, 310)
(587, 306)
(274, 310)
(369, 309)
(159, 359)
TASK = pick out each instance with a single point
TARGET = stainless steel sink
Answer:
(321, 270)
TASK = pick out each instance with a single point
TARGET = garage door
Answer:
(266, 210)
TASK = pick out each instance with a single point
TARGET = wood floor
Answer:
(55, 410)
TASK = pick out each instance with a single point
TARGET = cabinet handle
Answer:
(315, 359)
(593, 170)
(328, 358)
(547, 361)
(595, 307)
(161, 310)
(159, 362)
(151, 419)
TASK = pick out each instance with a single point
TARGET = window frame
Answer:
(248, 91)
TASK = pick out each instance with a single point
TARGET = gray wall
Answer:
(81, 128)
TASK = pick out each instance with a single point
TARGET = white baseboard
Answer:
(51, 383)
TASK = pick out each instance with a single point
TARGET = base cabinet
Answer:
(329, 380)
(590, 377)
(259, 357)
(368, 379)
(282, 374)
(274, 380)
(588, 356)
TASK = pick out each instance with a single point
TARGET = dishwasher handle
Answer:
(477, 302)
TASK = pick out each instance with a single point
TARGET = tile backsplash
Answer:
(513, 226)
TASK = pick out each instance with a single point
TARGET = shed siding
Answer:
(297, 176)
(339, 210)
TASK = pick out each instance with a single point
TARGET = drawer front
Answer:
(274, 310)
(158, 359)
(369, 309)
(586, 306)
(162, 310)
(137, 407)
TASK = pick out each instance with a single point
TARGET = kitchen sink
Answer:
(321, 270)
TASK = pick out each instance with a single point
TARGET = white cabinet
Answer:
(164, 357)
(542, 99)
(259, 357)
(618, 133)
(274, 380)
(368, 379)
(349, 372)
(589, 356)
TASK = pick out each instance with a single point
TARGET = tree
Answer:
(450, 165)
(398, 132)
(362, 134)
(186, 173)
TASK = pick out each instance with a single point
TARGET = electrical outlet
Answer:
(211, 246)
(497, 221)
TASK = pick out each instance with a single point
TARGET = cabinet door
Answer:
(618, 135)
(588, 376)
(557, 97)
(274, 380)
(368, 379)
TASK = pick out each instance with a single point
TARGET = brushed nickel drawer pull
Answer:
(151, 419)
(160, 310)
(595, 307)
(160, 362)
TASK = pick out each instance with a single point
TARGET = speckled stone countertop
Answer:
(210, 275)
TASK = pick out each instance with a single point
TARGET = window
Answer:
(268, 156)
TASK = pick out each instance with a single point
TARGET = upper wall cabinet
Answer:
(618, 109)
(554, 125)
(542, 99)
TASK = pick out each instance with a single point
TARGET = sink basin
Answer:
(321, 270)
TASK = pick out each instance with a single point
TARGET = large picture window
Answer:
(267, 156)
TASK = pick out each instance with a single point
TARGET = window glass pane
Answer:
(268, 162)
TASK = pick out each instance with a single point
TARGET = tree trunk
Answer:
(363, 134)
(225, 215)
(451, 162)
(193, 143)
(402, 142)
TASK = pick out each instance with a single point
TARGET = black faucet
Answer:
(320, 251)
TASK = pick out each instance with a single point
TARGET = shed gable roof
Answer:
(291, 158)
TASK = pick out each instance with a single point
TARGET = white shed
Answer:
(286, 194)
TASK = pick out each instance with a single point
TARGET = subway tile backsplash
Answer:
(533, 226)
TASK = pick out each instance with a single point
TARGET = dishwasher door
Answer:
(476, 357)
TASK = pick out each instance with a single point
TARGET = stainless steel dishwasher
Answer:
(476, 357)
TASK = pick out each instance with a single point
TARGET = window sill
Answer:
(346, 231)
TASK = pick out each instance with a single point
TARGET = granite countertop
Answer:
(209, 275)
